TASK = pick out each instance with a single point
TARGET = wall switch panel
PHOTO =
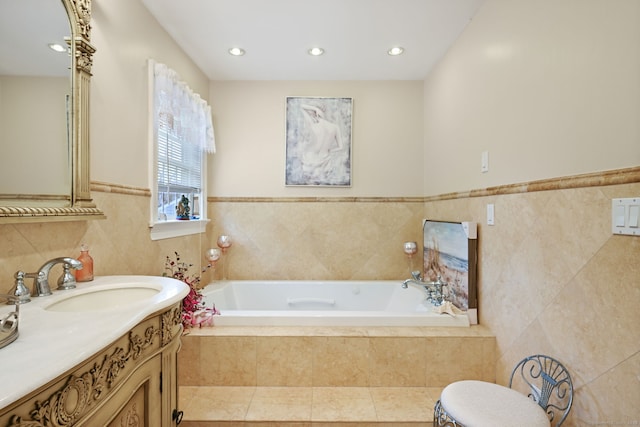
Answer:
(625, 215)
(490, 214)
(484, 167)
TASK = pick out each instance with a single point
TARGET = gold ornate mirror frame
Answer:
(81, 206)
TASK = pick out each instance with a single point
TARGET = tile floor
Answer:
(228, 406)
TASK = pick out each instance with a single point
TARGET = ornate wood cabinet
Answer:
(132, 382)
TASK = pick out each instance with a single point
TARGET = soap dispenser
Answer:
(86, 273)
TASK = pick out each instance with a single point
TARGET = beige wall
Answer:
(552, 278)
(126, 35)
(249, 126)
(549, 88)
(24, 101)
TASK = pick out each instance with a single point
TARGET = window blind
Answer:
(179, 162)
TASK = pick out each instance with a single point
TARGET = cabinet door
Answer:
(170, 408)
(137, 402)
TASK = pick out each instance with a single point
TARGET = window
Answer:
(180, 167)
(181, 137)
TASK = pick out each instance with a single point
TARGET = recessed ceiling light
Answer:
(236, 51)
(395, 51)
(316, 51)
(57, 47)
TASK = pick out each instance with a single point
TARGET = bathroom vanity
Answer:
(104, 354)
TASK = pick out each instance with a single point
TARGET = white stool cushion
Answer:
(483, 404)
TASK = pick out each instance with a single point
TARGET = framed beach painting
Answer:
(318, 141)
(450, 251)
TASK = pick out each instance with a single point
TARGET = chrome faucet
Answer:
(41, 286)
(435, 290)
(19, 292)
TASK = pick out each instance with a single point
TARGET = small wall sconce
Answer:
(212, 255)
(410, 249)
(224, 242)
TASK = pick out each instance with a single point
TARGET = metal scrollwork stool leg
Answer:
(442, 419)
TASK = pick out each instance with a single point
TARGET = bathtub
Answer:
(323, 303)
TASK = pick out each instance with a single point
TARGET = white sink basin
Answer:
(105, 299)
(77, 323)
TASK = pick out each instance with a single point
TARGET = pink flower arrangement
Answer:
(194, 312)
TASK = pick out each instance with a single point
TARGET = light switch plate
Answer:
(624, 216)
(484, 160)
(490, 214)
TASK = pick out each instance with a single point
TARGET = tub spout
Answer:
(435, 290)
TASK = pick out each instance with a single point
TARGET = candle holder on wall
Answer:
(410, 249)
(212, 256)
(224, 243)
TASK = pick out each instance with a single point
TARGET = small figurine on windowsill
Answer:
(183, 211)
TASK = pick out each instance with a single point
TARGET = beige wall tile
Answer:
(611, 399)
(343, 404)
(228, 361)
(340, 361)
(189, 362)
(215, 403)
(402, 404)
(280, 404)
(376, 357)
(396, 362)
(327, 240)
(547, 285)
(450, 359)
(284, 361)
(601, 321)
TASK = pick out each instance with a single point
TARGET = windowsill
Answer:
(175, 228)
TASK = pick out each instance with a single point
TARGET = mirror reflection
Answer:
(35, 104)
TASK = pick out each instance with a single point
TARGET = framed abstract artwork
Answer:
(318, 141)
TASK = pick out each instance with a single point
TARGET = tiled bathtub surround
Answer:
(314, 375)
(335, 356)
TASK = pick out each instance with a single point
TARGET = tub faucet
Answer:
(41, 286)
(435, 290)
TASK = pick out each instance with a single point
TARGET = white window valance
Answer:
(184, 111)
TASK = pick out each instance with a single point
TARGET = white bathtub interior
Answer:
(323, 303)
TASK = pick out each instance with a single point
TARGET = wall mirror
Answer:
(44, 111)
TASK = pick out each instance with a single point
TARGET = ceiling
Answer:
(276, 35)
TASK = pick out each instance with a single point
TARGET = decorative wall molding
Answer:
(316, 199)
(595, 179)
(105, 187)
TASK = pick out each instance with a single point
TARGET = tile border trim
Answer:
(595, 179)
(105, 187)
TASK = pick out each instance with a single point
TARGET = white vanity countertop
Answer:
(53, 342)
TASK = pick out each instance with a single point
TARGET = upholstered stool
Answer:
(483, 404)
